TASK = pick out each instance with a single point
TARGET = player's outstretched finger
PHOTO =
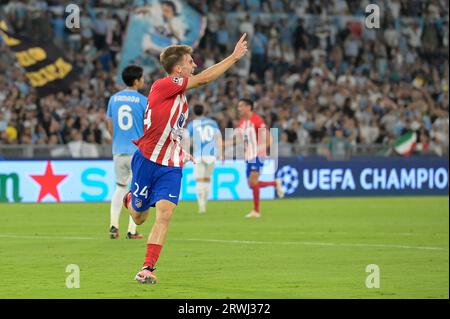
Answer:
(243, 37)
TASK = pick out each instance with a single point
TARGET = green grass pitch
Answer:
(304, 248)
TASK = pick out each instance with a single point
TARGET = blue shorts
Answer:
(152, 182)
(254, 165)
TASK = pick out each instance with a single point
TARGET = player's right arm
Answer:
(213, 72)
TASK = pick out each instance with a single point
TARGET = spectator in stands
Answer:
(338, 146)
(259, 45)
(284, 147)
(319, 71)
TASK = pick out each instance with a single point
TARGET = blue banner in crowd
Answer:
(156, 24)
(364, 177)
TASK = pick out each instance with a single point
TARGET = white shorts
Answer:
(204, 167)
(122, 169)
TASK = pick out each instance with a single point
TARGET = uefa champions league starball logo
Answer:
(289, 178)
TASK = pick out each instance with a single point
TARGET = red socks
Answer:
(265, 184)
(152, 255)
(255, 190)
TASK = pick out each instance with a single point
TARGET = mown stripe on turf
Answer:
(311, 244)
(248, 242)
(46, 237)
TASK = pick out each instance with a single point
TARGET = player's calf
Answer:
(163, 217)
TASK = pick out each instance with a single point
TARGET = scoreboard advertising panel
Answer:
(31, 181)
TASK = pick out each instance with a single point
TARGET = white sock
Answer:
(116, 205)
(199, 189)
(202, 195)
(132, 226)
(206, 193)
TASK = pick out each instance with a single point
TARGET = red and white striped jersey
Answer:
(165, 117)
(249, 131)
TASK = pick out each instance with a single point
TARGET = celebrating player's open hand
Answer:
(241, 47)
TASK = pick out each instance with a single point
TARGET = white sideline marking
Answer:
(309, 243)
(247, 242)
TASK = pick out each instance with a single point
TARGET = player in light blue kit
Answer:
(125, 123)
(207, 146)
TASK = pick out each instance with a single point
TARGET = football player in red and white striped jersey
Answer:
(253, 132)
(157, 163)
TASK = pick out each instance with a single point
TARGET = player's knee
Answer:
(138, 220)
(121, 185)
(252, 183)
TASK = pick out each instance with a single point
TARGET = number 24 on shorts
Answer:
(143, 192)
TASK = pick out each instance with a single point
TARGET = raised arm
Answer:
(213, 72)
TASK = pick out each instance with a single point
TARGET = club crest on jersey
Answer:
(177, 80)
(138, 203)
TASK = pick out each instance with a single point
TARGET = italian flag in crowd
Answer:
(406, 143)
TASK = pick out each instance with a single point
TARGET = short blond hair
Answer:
(173, 55)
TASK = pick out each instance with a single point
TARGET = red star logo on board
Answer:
(49, 183)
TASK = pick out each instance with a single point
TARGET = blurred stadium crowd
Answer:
(315, 72)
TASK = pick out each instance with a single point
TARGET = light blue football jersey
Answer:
(203, 131)
(126, 109)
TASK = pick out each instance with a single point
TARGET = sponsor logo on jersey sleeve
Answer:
(177, 80)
